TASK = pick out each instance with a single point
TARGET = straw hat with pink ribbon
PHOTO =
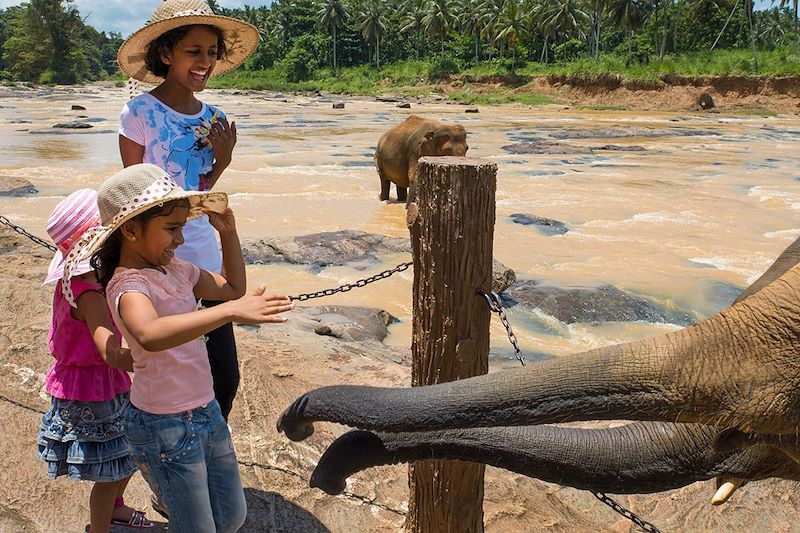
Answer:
(127, 193)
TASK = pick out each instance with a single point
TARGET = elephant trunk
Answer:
(737, 368)
(640, 457)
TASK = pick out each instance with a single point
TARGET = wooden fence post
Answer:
(452, 231)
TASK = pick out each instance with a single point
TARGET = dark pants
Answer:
(221, 348)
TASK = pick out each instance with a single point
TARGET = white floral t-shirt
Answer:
(179, 144)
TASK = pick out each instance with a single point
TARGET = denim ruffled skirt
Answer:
(86, 440)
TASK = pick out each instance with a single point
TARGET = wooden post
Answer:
(452, 231)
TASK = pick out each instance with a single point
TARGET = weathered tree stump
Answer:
(452, 231)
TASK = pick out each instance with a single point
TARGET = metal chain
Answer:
(496, 305)
(348, 286)
(23, 232)
(643, 524)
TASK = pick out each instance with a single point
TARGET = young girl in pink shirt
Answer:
(179, 437)
(82, 436)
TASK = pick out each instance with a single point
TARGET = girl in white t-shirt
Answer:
(177, 434)
(180, 48)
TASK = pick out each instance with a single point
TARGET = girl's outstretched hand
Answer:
(222, 222)
(258, 308)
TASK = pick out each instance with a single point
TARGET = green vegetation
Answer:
(408, 47)
(418, 77)
(46, 41)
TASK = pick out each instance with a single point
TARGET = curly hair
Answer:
(106, 260)
(167, 41)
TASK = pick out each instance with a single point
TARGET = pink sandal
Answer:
(137, 519)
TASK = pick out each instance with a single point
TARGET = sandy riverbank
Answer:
(671, 93)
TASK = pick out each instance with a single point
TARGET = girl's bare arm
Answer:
(131, 152)
(93, 309)
(155, 333)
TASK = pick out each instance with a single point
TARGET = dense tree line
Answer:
(304, 34)
(47, 40)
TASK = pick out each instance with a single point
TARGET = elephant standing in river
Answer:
(720, 398)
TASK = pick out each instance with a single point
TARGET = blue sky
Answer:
(125, 16)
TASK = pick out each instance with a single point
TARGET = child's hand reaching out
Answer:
(258, 308)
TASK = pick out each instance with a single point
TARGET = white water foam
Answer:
(728, 265)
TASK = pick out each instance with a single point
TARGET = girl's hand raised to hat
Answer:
(258, 308)
(223, 222)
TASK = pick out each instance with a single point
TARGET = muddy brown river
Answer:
(683, 210)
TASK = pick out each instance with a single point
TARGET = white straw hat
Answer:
(128, 193)
(241, 38)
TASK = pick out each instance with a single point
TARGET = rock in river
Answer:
(605, 303)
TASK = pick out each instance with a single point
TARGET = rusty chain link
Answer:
(349, 286)
(643, 524)
(496, 305)
(23, 232)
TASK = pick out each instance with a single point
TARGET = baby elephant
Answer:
(400, 147)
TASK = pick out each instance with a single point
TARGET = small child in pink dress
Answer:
(82, 435)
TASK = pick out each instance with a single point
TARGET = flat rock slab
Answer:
(627, 131)
(605, 303)
(73, 125)
(16, 186)
(557, 148)
(352, 323)
(323, 249)
(547, 226)
(545, 147)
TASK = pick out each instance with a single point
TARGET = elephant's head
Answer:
(728, 388)
(446, 139)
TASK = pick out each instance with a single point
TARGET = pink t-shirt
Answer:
(174, 380)
(79, 372)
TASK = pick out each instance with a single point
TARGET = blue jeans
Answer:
(188, 460)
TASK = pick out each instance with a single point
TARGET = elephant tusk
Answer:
(726, 486)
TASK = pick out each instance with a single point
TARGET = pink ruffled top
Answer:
(79, 372)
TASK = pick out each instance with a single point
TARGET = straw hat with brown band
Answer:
(240, 37)
(127, 193)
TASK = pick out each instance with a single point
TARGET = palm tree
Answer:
(540, 17)
(748, 5)
(470, 21)
(414, 12)
(567, 18)
(281, 26)
(511, 26)
(774, 31)
(598, 8)
(784, 3)
(629, 15)
(332, 13)
(490, 16)
(439, 18)
(258, 17)
(373, 25)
